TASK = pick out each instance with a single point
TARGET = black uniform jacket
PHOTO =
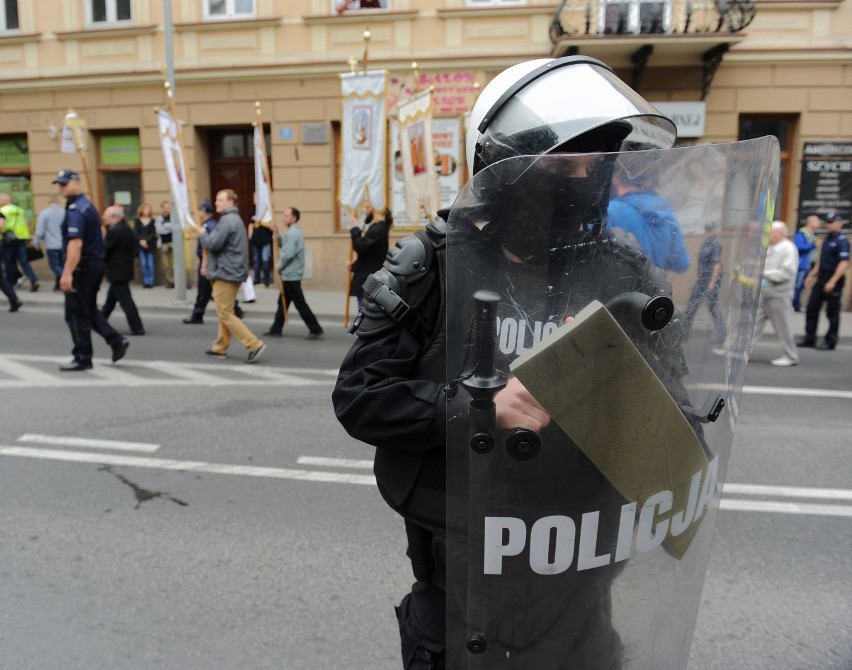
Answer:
(371, 247)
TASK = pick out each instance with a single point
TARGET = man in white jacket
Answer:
(779, 277)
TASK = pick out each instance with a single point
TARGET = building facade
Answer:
(726, 70)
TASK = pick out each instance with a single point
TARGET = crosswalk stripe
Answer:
(87, 443)
(786, 507)
(788, 491)
(24, 373)
(334, 462)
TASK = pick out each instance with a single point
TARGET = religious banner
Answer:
(418, 156)
(176, 171)
(263, 205)
(73, 133)
(363, 140)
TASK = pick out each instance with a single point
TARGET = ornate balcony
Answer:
(630, 32)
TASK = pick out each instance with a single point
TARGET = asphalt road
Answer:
(229, 522)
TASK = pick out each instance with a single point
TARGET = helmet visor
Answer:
(569, 101)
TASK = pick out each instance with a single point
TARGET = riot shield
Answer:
(625, 322)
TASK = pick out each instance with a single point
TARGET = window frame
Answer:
(112, 11)
(230, 13)
(634, 15)
(4, 25)
(471, 4)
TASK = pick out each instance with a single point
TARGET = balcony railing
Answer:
(648, 17)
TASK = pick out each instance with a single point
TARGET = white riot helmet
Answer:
(537, 106)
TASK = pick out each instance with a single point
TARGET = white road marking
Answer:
(323, 461)
(787, 491)
(800, 392)
(786, 507)
(189, 466)
(132, 373)
(88, 443)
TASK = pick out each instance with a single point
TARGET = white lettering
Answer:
(586, 557)
(648, 538)
(508, 335)
(683, 520)
(562, 544)
(515, 531)
(625, 532)
(708, 493)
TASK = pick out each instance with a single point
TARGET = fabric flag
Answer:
(263, 205)
(73, 134)
(418, 156)
(175, 167)
(363, 128)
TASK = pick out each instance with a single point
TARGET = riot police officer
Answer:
(82, 275)
(391, 391)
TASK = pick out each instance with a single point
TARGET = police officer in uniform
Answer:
(391, 391)
(826, 280)
(82, 274)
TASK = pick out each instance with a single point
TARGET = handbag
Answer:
(34, 253)
(249, 294)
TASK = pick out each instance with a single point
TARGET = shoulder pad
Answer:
(392, 294)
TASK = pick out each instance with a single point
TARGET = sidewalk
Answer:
(327, 305)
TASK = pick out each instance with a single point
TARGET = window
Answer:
(9, 15)
(119, 170)
(341, 7)
(228, 9)
(109, 11)
(635, 16)
(753, 126)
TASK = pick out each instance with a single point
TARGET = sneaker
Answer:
(315, 336)
(784, 362)
(119, 350)
(255, 354)
(215, 354)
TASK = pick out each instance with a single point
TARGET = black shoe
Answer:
(15, 306)
(189, 319)
(825, 346)
(315, 336)
(239, 313)
(170, 284)
(255, 354)
(272, 333)
(215, 354)
(75, 366)
(806, 343)
(136, 332)
(119, 350)
(34, 288)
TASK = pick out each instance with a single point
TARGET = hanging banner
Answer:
(73, 134)
(175, 168)
(363, 140)
(449, 166)
(263, 206)
(418, 156)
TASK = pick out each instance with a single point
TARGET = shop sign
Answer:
(14, 153)
(120, 150)
(689, 117)
(826, 184)
(453, 93)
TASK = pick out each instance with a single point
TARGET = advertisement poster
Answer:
(826, 180)
(447, 161)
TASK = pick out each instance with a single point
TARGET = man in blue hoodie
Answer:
(637, 209)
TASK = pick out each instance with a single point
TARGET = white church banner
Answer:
(175, 168)
(418, 156)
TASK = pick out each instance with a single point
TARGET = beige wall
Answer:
(795, 58)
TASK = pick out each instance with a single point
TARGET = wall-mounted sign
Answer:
(689, 117)
(120, 150)
(285, 133)
(826, 180)
(454, 92)
(14, 153)
(315, 133)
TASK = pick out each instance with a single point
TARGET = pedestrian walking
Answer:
(49, 232)
(82, 275)
(775, 303)
(119, 251)
(706, 287)
(227, 267)
(16, 237)
(291, 267)
(806, 245)
(370, 242)
(7, 287)
(826, 280)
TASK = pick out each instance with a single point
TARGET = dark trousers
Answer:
(832, 309)
(14, 255)
(202, 297)
(56, 260)
(82, 314)
(293, 293)
(699, 294)
(120, 292)
(8, 288)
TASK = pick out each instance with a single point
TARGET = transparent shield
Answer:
(600, 312)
